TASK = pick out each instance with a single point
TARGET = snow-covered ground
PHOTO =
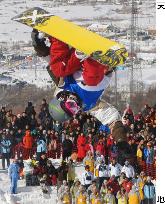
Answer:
(82, 14)
(29, 194)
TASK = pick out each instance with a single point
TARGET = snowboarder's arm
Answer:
(63, 61)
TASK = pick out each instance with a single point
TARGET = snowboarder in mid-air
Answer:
(84, 82)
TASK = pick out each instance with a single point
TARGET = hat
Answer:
(76, 180)
(126, 162)
(18, 115)
(87, 167)
(148, 178)
(110, 188)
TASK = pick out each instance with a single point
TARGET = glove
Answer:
(80, 55)
(41, 35)
(38, 42)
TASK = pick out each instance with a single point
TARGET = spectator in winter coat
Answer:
(104, 189)
(41, 147)
(57, 127)
(2, 117)
(51, 173)
(102, 172)
(74, 189)
(62, 172)
(71, 172)
(127, 184)
(149, 158)
(28, 140)
(5, 150)
(19, 122)
(89, 146)
(128, 170)
(134, 196)
(91, 187)
(89, 160)
(43, 160)
(122, 196)
(81, 196)
(24, 120)
(146, 110)
(44, 105)
(8, 117)
(87, 177)
(29, 110)
(13, 173)
(141, 182)
(114, 184)
(140, 155)
(27, 143)
(115, 168)
(67, 147)
(81, 142)
(42, 115)
(19, 136)
(100, 147)
(52, 146)
(149, 191)
(114, 150)
(33, 122)
(63, 185)
(66, 196)
(95, 197)
(109, 197)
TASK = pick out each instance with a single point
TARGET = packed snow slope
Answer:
(29, 194)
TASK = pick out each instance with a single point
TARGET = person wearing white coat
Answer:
(114, 168)
(128, 170)
(87, 177)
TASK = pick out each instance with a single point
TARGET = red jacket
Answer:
(63, 62)
(109, 141)
(81, 142)
(100, 148)
(127, 185)
(28, 140)
(114, 185)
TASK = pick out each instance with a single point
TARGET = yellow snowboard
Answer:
(105, 51)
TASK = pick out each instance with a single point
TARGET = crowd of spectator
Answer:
(109, 177)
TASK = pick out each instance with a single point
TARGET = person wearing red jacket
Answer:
(65, 61)
(114, 184)
(100, 147)
(27, 144)
(81, 142)
(127, 184)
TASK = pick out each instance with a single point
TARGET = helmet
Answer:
(57, 112)
(57, 108)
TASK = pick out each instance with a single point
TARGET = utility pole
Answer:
(133, 33)
(116, 99)
(136, 85)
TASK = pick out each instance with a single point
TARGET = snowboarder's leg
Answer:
(3, 161)
(109, 115)
(12, 186)
(8, 159)
(15, 186)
